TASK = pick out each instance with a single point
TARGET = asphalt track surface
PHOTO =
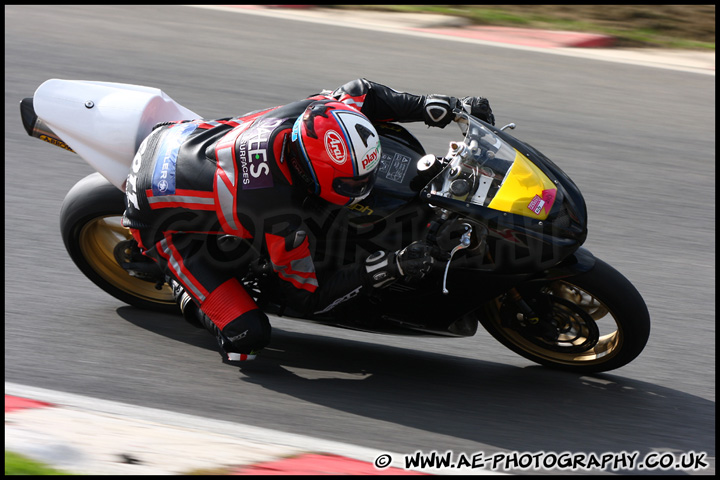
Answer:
(639, 141)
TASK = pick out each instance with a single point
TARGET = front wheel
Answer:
(90, 223)
(589, 323)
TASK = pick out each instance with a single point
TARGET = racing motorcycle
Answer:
(505, 223)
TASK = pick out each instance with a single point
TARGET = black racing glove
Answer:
(478, 107)
(438, 109)
(411, 263)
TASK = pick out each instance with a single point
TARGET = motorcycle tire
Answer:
(90, 223)
(602, 323)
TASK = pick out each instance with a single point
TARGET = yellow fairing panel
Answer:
(525, 191)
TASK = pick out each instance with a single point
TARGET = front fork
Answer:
(526, 314)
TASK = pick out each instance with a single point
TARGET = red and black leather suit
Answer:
(197, 184)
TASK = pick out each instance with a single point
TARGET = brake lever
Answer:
(465, 240)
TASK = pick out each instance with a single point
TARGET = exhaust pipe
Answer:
(36, 127)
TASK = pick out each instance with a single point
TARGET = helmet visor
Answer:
(355, 186)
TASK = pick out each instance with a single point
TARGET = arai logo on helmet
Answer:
(335, 147)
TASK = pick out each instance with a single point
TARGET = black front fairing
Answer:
(519, 240)
(400, 207)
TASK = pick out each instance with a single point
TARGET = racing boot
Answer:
(196, 317)
(228, 351)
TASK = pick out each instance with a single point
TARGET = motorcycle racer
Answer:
(207, 198)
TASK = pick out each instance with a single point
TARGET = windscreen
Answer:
(486, 171)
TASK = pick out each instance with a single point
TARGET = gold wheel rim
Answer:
(611, 334)
(98, 239)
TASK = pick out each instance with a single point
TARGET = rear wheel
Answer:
(90, 223)
(593, 322)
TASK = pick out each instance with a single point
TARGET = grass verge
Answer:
(16, 464)
(632, 26)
